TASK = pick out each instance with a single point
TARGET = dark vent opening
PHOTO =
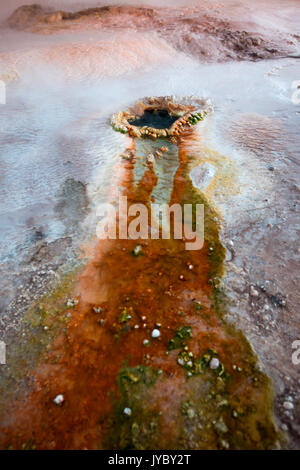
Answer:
(158, 119)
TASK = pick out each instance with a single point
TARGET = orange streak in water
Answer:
(90, 354)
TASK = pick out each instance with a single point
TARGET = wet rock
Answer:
(214, 363)
(150, 158)
(253, 292)
(191, 414)
(59, 399)
(127, 411)
(155, 333)
(288, 405)
(221, 426)
(137, 251)
(224, 444)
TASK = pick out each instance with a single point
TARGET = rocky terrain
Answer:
(199, 30)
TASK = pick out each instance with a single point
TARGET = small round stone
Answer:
(253, 292)
(155, 333)
(214, 363)
(146, 342)
(191, 413)
(288, 405)
(127, 411)
(59, 399)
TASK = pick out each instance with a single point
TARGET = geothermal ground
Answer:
(83, 370)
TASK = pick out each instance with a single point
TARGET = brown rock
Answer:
(25, 16)
(52, 17)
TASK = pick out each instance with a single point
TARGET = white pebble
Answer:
(288, 405)
(214, 363)
(155, 333)
(150, 157)
(253, 291)
(59, 399)
(72, 302)
(127, 411)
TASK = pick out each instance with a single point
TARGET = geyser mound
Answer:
(162, 116)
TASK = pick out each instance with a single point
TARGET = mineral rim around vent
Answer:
(161, 116)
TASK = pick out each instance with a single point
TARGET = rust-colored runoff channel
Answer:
(196, 386)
